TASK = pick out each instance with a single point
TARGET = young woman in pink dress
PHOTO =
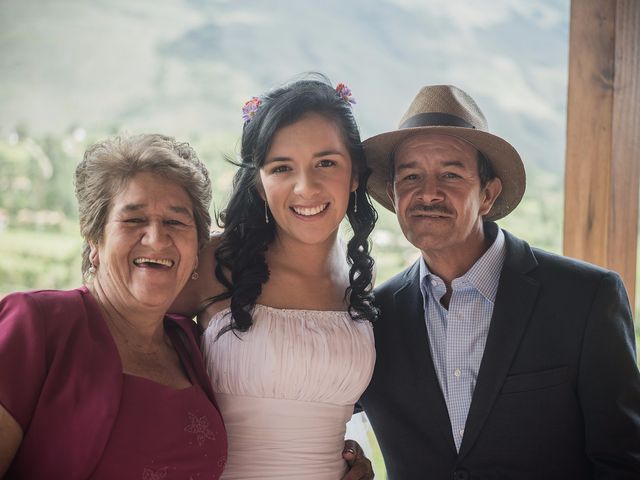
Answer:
(288, 340)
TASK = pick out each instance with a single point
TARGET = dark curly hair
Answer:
(247, 236)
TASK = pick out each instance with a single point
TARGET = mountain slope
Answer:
(186, 66)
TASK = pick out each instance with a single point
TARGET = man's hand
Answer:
(360, 466)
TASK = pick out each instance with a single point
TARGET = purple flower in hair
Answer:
(250, 108)
(345, 94)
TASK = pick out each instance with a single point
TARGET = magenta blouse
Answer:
(61, 379)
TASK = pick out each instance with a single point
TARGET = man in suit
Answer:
(494, 359)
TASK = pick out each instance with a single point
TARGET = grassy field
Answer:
(38, 259)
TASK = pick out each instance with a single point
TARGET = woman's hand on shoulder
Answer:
(193, 297)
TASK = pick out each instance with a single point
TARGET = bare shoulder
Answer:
(195, 295)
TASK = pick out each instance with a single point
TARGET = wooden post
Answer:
(603, 136)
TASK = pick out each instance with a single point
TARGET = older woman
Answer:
(98, 382)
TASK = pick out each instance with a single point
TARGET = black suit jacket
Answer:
(557, 394)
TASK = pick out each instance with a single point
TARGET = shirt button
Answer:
(461, 432)
(461, 474)
(457, 372)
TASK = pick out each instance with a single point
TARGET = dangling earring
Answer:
(355, 201)
(266, 212)
(194, 273)
(92, 269)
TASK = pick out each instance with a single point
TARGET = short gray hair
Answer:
(108, 165)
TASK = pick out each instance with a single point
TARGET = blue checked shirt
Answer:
(457, 336)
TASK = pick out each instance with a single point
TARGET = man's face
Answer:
(437, 195)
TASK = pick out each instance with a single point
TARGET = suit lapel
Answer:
(515, 300)
(409, 306)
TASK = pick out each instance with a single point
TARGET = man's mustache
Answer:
(431, 209)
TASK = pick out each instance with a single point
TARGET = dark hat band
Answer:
(435, 119)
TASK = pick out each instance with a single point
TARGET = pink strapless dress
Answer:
(286, 389)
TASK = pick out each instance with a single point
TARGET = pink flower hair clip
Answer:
(250, 108)
(345, 94)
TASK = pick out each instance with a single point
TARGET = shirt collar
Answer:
(484, 275)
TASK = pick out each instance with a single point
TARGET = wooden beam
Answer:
(603, 136)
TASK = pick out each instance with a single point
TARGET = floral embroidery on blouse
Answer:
(199, 426)
(149, 474)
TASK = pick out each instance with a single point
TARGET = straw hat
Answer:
(447, 110)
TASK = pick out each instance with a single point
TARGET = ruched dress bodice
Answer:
(286, 389)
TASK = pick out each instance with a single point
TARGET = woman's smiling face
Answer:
(307, 178)
(149, 245)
